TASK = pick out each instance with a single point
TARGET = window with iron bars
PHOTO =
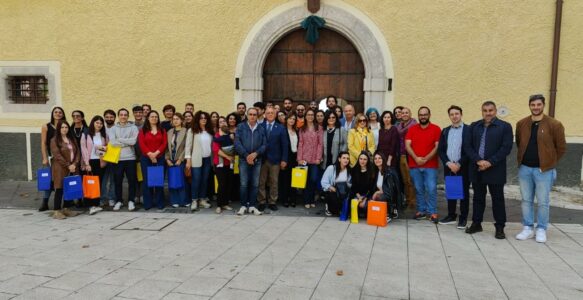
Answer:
(28, 89)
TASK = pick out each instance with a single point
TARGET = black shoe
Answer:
(273, 207)
(261, 207)
(44, 207)
(462, 223)
(475, 227)
(419, 216)
(500, 234)
(448, 220)
(285, 204)
(293, 204)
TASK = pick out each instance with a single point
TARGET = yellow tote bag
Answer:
(112, 154)
(354, 211)
(139, 172)
(236, 165)
(299, 177)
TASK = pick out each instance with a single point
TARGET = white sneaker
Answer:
(527, 233)
(242, 211)
(226, 207)
(218, 210)
(194, 205)
(204, 203)
(255, 211)
(131, 206)
(175, 205)
(111, 203)
(95, 209)
(541, 235)
(117, 206)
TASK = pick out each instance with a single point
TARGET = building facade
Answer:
(95, 55)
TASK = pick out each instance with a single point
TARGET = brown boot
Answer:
(69, 213)
(57, 214)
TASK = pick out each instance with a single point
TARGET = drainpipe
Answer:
(555, 64)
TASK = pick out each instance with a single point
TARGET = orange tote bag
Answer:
(91, 187)
(377, 213)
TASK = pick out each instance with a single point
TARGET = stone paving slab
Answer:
(207, 256)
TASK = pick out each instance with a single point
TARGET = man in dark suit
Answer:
(455, 163)
(276, 157)
(488, 145)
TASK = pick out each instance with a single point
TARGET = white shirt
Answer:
(293, 140)
(343, 176)
(380, 181)
(97, 143)
(205, 141)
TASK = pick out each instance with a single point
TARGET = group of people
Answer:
(388, 156)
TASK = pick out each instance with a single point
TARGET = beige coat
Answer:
(180, 142)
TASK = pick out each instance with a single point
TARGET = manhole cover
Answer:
(144, 223)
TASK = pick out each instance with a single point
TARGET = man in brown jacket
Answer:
(541, 143)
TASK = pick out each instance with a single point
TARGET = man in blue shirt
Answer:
(455, 163)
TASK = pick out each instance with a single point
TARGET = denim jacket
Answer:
(247, 141)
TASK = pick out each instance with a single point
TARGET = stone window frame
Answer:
(51, 70)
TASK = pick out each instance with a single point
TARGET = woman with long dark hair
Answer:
(310, 155)
(383, 174)
(93, 146)
(153, 141)
(48, 131)
(223, 159)
(79, 126)
(175, 157)
(198, 156)
(287, 194)
(336, 183)
(188, 117)
(320, 116)
(233, 119)
(334, 139)
(389, 140)
(66, 158)
(363, 185)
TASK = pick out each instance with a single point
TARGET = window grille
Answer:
(28, 89)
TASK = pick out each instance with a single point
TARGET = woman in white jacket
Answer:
(336, 183)
(198, 155)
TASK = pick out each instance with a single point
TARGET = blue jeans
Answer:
(533, 183)
(249, 179)
(151, 193)
(425, 182)
(200, 179)
(108, 184)
(311, 184)
(179, 196)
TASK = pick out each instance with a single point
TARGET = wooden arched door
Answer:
(294, 68)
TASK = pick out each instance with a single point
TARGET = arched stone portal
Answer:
(339, 16)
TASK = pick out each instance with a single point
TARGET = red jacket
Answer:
(150, 142)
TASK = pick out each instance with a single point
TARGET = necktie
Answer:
(269, 126)
(482, 149)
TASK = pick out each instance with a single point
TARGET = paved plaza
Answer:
(122, 255)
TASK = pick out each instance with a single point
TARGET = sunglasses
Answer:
(362, 121)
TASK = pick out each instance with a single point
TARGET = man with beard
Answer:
(402, 127)
(488, 145)
(421, 143)
(314, 105)
(541, 144)
(288, 106)
(397, 113)
(300, 113)
(108, 184)
(241, 110)
(331, 102)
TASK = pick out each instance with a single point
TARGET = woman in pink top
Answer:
(310, 155)
(93, 145)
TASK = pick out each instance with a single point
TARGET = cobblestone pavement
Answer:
(138, 255)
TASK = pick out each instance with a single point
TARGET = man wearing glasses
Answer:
(421, 143)
(300, 112)
(250, 143)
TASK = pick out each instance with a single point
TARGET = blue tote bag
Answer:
(156, 176)
(43, 179)
(175, 177)
(454, 187)
(345, 210)
(72, 188)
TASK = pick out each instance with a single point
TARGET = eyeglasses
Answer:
(252, 115)
(362, 121)
(76, 116)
